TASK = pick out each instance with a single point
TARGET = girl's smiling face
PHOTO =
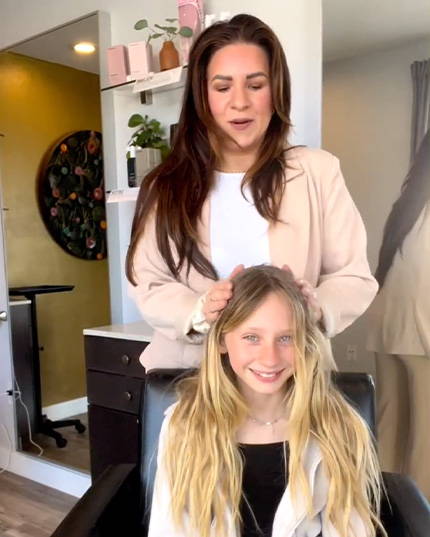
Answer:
(261, 349)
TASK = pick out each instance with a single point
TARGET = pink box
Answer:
(117, 61)
(139, 59)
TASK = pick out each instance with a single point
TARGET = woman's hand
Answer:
(311, 298)
(218, 296)
(310, 294)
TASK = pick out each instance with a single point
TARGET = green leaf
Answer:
(171, 20)
(185, 31)
(168, 29)
(140, 25)
(155, 36)
(135, 120)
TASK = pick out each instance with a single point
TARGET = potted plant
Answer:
(169, 57)
(149, 144)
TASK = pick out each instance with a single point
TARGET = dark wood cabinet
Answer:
(115, 380)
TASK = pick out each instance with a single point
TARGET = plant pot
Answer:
(147, 159)
(169, 56)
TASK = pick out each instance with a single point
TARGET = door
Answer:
(7, 413)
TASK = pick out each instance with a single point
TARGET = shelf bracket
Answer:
(146, 97)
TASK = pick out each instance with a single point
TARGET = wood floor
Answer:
(28, 509)
(75, 455)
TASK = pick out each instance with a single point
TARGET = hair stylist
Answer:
(233, 192)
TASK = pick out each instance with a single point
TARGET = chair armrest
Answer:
(411, 505)
(112, 498)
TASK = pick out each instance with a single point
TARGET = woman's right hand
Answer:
(218, 296)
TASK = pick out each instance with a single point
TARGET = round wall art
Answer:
(71, 195)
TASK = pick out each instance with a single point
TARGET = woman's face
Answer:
(261, 349)
(239, 95)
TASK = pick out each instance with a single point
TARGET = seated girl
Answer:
(260, 442)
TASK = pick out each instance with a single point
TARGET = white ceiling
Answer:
(57, 46)
(352, 27)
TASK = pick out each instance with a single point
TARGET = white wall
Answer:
(297, 23)
(367, 104)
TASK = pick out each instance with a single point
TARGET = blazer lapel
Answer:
(290, 236)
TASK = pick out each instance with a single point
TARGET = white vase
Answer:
(146, 160)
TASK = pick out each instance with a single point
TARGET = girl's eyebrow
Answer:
(230, 78)
(287, 331)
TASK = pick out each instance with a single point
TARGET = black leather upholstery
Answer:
(160, 393)
(359, 390)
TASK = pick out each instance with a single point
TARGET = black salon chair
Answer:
(119, 501)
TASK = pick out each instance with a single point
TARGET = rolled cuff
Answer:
(196, 325)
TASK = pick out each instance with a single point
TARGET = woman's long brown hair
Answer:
(177, 188)
(414, 196)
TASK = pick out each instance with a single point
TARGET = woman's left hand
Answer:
(310, 294)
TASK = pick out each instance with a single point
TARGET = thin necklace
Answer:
(261, 422)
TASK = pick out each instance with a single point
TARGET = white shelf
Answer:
(154, 82)
(165, 80)
(121, 196)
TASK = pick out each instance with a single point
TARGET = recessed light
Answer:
(84, 48)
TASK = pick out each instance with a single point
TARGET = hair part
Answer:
(202, 458)
(175, 191)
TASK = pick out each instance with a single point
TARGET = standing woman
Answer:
(233, 192)
(400, 328)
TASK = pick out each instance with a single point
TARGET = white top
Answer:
(238, 233)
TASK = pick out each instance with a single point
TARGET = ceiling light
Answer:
(84, 48)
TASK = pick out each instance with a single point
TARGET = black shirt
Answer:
(265, 478)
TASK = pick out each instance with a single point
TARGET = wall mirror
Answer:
(47, 92)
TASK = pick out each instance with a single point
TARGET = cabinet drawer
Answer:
(113, 355)
(114, 391)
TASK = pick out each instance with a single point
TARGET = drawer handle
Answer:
(128, 396)
(125, 359)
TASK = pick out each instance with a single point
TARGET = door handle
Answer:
(3, 316)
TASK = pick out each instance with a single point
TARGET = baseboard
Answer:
(65, 409)
(73, 482)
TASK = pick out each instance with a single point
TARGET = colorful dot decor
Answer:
(71, 195)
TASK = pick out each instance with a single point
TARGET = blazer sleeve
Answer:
(166, 304)
(346, 286)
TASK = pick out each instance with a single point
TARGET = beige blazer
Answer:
(399, 318)
(321, 237)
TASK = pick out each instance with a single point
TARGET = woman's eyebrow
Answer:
(230, 78)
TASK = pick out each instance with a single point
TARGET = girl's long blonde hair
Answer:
(203, 462)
